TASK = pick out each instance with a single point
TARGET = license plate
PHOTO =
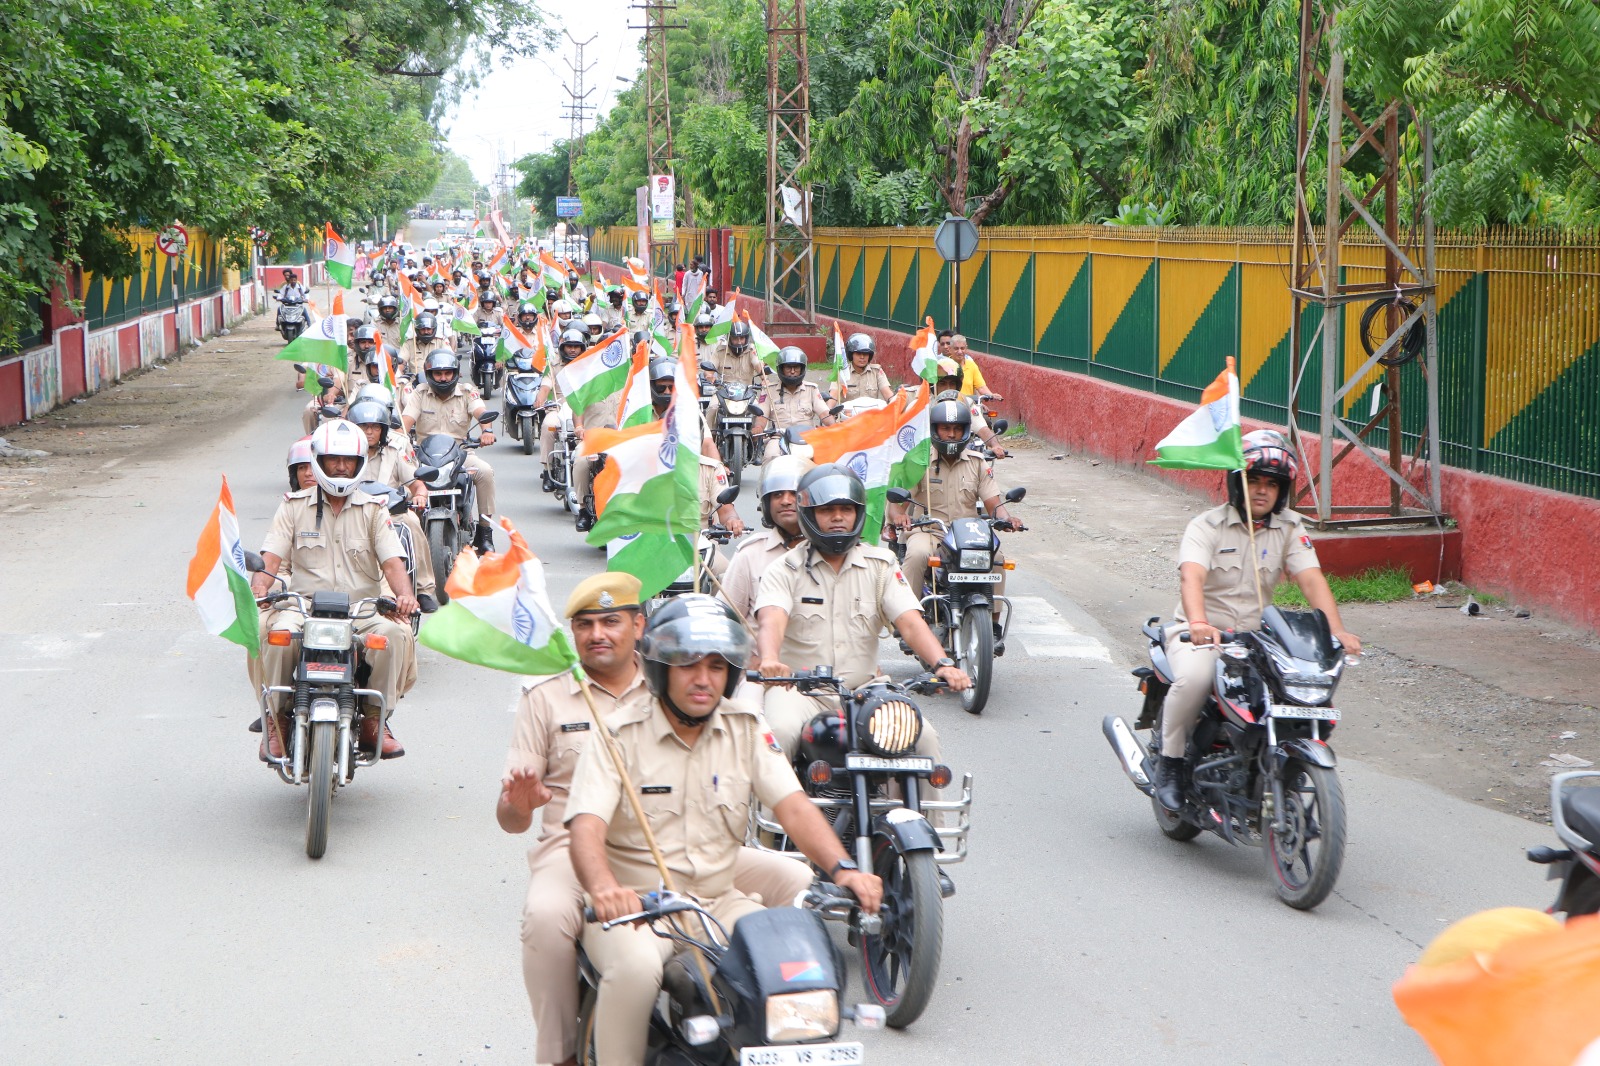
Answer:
(913, 764)
(802, 1055)
(973, 579)
(1323, 714)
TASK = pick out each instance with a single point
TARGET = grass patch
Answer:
(1370, 586)
(1018, 430)
(1488, 599)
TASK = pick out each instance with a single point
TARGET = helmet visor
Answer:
(685, 641)
(831, 489)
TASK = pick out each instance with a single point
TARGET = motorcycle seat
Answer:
(1581, 808)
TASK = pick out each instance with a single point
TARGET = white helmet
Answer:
(338, 437)
(430, 305)
(563, 309)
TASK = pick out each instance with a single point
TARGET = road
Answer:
(157, 906)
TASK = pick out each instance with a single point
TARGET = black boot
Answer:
(545, 482)
(585, 520)
(483, 539)
(1169, 783)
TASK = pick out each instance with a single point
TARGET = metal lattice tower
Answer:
(578, 107)
(791, 267)
(1321, 279)
(657, 96)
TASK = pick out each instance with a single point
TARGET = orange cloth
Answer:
(1533, 1002)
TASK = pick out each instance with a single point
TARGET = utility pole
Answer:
(658, 98)
(791, 267)
(578, 107)
(1354, 263)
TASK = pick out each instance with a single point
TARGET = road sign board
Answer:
(956, 239)
(172, 240)
(568, 206)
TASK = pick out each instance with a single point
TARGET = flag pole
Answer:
(638, 814)
(1250, 524)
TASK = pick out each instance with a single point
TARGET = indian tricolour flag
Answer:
(838, 353)
(513, 340)
(765, 348)
(463, 322)
(886, 448)
(636, 407)
(721, 319)
(324, 341)
(499, 614)
(341, 259)
(218, 584)
(596, 375)
(1210, 438)
(925, 353)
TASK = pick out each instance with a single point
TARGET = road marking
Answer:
(1047, 635)
(33, 669)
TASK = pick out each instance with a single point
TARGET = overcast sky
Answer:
(518, 109)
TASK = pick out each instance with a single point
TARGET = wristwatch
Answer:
(942, 663)
(843, 864)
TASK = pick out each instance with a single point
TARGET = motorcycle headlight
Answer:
(323, 634)
(1310, 694)
(975, 560)
(797, 1016)
(893, 727)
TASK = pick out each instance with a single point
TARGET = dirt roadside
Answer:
(1471, 705)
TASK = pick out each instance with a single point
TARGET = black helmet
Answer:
(950, 412)
(370, 413)
(446, 360)
(484, 280)
(573, 336)
(831, 483)
(702, 323)
(572, 277)
(857, 343)
(388, 308)
(687, 629)
(739, 335)
(780, 474)
(1266, 453)
(640, 299)
(488, 298)
(427, 325)
(615, 294)
(440, 282)
(364, 335)
(671, 307)
(456, 272)
(791, 365)
(662, 369)
(638, 337)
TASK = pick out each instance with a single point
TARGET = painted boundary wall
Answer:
(1518, 357)
(128, 324)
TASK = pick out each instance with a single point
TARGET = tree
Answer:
(456, 187)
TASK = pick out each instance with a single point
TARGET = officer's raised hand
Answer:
(523, 792)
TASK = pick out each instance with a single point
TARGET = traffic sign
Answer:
(568, 206)
(172, 240)
(956, 239)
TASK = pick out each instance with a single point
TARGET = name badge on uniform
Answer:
(936, 480)
(1226, 551)
(308, 533)
(574, 727)
(811, 599)
(656, 790)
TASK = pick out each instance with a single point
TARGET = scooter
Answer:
(291, 317)
(522, 417)
(1575, 815)
(486, 371)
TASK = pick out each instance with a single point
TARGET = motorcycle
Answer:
(558, 464)
(486, 371)
(1260, 769)
(736, 415)
(451, 519)
(962, 604)
(522, 416)
(763, 1007)
(857, 764)
(860, 405)
(291, 320)
(1575, 815)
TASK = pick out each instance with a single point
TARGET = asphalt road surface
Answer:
(157, 905)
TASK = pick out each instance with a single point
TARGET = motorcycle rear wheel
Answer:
(1305, 861)
(588, 1051)
(900, 966)
(1172, 824)
(975, 655)
(525, 423)
(317, 810)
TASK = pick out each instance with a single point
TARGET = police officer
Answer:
(449, 405)
(736, 359)
(364, 359)
(389, 461)
(862, 377)
(1217, 586)
(948, 386)
(638, 315)
(568, 348)
(696, 758)
(489, 313)
(425, 338)
(796, 401)
(577, 291)
(610, 311)
(602, 414)
(780, 481)
(824, 601)
(553, 725)
(389, 329)
(957, 482)
(336, 538)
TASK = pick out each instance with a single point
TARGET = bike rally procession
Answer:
(544, 630)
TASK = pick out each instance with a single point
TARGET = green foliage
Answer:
(456, 187)
(1381, 585)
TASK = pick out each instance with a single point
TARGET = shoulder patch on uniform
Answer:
(1305, 541)
(772, 742)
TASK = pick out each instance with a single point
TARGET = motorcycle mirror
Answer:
(757, 409)
(902, 497)
(325, 381)
(331, 411)
(1016, 494)
(254, 563)
(706, 364)
(1000, 426)
(795, 435)
(299, 368)
(487, 417)
(427, 473)
(836, 410)
(727, 495)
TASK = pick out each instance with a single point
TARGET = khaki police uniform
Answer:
(803, 407)
(392, 464)
(834, 620)
(951, 490)
(341, 552)
(743, 578)
(697, 800)
(637, 320)
(485, 319)
(863, 384)
(414, 351)
(602, 415)
(610, 317)
(1219, 540)
(391, 333)
(746, 367)
(713, 479)
(311, 416)
(454, 414)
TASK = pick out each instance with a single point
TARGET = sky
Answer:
(518, 108)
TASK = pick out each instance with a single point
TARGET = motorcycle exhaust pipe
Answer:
(1131, 753)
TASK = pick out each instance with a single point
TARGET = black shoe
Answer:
(427, 603)
(947, 887)
(1169, 783)
(545, 483)
(585, 521)
(255, 725)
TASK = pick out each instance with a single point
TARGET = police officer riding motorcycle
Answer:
(450, 422)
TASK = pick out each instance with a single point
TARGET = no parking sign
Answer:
(172, 240)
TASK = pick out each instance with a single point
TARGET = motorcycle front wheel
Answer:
(975, 655)
(322, 742)
(1305, 859)
(901, 964)
(441, 547)
(525, 423)
(733, 455)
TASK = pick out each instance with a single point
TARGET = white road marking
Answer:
(1047, 635)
